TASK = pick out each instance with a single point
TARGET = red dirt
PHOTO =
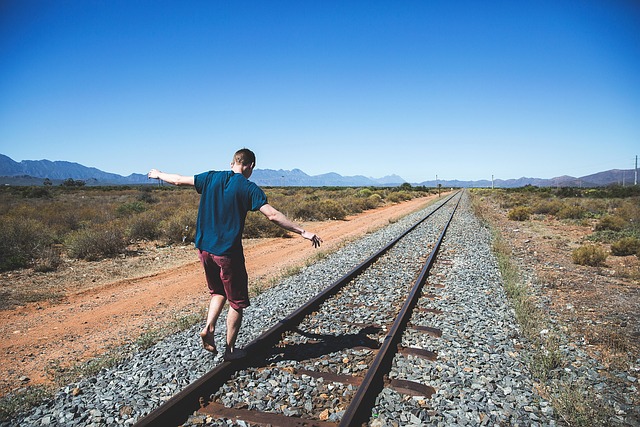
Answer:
(107, 304)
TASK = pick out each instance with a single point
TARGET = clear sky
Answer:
(458, 89)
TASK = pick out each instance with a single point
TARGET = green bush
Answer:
(131, 208)
(364, 192)
(519, 213)
(96, 242)
(626, 246)
(590, 255)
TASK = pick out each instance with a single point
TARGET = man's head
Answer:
(244, 160)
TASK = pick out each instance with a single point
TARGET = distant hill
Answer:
(33, 172)
(600, 179)
(296, 177)
(60, 170)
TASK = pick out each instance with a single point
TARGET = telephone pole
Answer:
(635, 180)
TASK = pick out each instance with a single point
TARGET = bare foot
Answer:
(208, 342)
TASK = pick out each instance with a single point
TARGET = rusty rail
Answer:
(179, 407)
(359, 411)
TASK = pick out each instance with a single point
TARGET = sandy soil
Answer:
(94, 307)
(598, 308)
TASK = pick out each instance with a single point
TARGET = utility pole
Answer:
(635, 181)
(492, 182)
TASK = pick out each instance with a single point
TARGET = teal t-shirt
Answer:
(225, 199)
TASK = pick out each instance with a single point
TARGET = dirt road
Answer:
(88, 322)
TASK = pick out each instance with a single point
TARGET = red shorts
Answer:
(226, 276)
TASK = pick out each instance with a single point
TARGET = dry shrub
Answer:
(364, 192)
(547, 207)
(21, 240)
(611, 222)
(146, 195)
(96, 241)
(330, 209)
(589, 255)
(613, 344)
(48, 260)
(572, 212)
(579, 405)
(371, 202)
(131, 208)
(181, 226)
(305, 211)
(628, 268)
(630, 210)
(85, 218)
(258, 226)
(519, 213)
(399, 196)
(144, 226)
(626, 246)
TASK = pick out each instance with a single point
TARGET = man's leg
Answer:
(234, 321)
(207, 334)
(234, 277)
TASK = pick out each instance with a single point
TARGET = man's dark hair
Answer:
(244, 156)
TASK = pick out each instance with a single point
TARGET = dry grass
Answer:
(594, 307)
(41, 230)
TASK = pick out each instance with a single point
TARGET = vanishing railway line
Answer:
(327, 362)
(460, 359)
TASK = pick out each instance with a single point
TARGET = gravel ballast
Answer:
(479, 375)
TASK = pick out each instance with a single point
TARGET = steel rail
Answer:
(359, 410)
(176, 410)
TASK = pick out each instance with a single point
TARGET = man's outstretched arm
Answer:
(281, 220)
(171, 178)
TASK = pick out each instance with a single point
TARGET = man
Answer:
(226, 197)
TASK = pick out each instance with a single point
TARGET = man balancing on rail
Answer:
(226, 197)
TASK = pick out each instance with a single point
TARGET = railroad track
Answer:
(330, 359)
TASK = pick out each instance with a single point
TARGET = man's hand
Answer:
(171, 178)
(315, 240)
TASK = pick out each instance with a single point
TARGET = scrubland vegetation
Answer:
(608, 224)
(39, 226)
(612, 212)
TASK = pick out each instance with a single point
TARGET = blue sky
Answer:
(462, 90)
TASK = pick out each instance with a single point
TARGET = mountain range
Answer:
(33, 172)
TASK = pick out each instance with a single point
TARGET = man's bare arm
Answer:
(281, 220)
(171, 178)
